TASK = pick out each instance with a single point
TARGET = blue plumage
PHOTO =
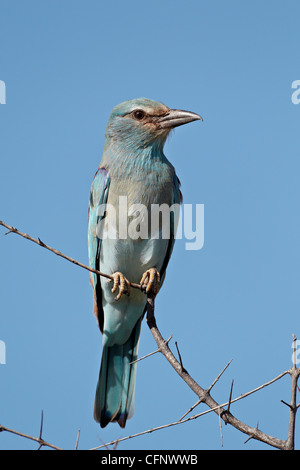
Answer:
(133, 167)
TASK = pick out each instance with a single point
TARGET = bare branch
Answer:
(190, 410)
(203, 394)
(36, 439)
(209, 389)
(58, 253)
(150, 354)
(294, 373)
(191, 418)
(181, 421)
(219, 376)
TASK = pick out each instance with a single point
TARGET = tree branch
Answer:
(294, 373)
(203, 395)
(196, 416)
(58, 253)
(39, 439)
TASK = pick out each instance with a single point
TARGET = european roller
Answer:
(133, 169)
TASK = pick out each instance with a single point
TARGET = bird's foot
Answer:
(150, 281)
(121, 282)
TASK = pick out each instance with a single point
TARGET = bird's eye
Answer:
(139, 114)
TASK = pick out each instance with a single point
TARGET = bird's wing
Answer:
(98, 200)
(177, 199)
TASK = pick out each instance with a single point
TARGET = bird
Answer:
(133, 166)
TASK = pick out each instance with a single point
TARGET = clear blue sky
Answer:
(65, 65)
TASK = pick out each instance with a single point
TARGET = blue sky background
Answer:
(66, 64)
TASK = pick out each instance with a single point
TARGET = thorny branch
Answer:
(39, 439)
(204, 395)
(58, 253)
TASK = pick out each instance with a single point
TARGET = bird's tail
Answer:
(114, 399)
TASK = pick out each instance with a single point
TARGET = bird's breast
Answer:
(132, 223)
(149, 184)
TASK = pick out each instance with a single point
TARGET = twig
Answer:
(58, 253)
(190, 410)
(159, 428)
(150, 354)
(182, 421)
(203, 395)
(199, 415)
(36, 439)
(209, 389)
(219, 376)
(294, 373)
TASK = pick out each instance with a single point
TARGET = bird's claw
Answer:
(150, 281)
(121, 282)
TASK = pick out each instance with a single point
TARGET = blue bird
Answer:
(133, 167)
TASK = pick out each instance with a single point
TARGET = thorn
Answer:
(247, 440)
(251, 437)
(41, 431)
(287, 404)
(11, 230)
(230, 396)
(225, 412)
(41, 427)
(40, 242)
(179, 355)
(221, 432)
(294, 351)
(77, 439)
(169, 339)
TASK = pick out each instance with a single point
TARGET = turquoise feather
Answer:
(133, 165)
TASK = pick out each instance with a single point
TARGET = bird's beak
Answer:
(177, 117)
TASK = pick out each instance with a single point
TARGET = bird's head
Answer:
(142, 122)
